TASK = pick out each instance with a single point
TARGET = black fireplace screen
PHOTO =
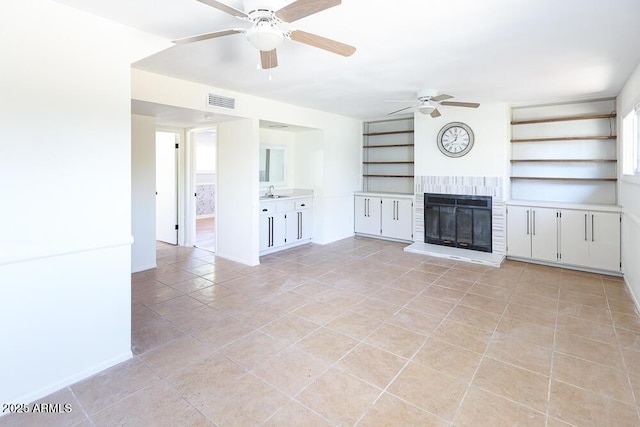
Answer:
(458, 221)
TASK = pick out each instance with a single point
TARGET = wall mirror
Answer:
(272, 164)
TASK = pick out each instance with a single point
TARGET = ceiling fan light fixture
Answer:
(426, 108)
(265, 37)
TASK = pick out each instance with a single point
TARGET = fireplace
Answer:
(458, 220)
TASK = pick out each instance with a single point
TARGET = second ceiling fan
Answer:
(427, 103)
(267, 32)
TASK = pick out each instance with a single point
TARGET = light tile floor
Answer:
(359, 332)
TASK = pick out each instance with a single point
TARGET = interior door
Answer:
(167, 187)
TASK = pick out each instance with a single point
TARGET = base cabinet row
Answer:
(388, 217)
(285, 224)
(573, 237)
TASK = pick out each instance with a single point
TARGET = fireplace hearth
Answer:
(460, 221)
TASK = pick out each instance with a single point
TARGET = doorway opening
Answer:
(205, 162)
(167, 144)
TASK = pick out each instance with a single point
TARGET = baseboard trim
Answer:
(59, 385)
(633, 296)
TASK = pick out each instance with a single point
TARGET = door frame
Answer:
(190, 185)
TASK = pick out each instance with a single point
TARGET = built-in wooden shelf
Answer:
(546, 178)
(392, 132)
(564, 119)
(387, 168)
(566, 138)
(388, 145)
(564, 161)
(388, 176)
(387, 163)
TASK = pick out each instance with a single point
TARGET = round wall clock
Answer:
(455, 139)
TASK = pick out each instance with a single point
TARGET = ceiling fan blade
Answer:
(435, 113)
(413, 101)
(322, 43)
(402, 109)
(461, 104)
(442, 97)
(301, 8)
(268, 59)
(207, 36)
(223, 7)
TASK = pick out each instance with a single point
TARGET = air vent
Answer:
(221, 101)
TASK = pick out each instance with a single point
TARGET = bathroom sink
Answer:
(274, 196)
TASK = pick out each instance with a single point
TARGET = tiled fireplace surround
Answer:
(465, 185)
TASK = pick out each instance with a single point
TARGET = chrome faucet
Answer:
(269, 192)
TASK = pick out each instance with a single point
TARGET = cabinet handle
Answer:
(528, 213)
(585, 227)
(533, 223)
(366, 201)
(592, 229)
(265, 210)
(303, 205)
(299, 225)
(397, 209)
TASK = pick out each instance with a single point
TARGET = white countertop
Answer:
(287, 195)
(383, 194)
(561, 205)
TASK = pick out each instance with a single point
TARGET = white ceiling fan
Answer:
(428, 101)
(268, 31)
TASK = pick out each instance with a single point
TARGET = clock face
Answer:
(455, 139)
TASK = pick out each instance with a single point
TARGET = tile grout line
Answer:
(553, 351)
(624, 359)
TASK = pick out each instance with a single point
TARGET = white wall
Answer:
(66, 190)
(309, 164)
(339, 154)
(237, 214)
(143, 196)
(630, 196)
(490, 152)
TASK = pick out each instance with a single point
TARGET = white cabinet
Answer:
(578, 236)
(285, 223)
(590, 239)
(532, 232)
(367, 214)
(397, 218)
(386, 216)
(299, 222)
(272, 230)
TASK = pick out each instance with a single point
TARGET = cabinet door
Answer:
(279, 232)
(544, 234)
(272, 230)
(397, 218)
(367, 215)
(604, 250)
(306, 224)
(574, 237)
(519, 231)
(299, 225)
(265, 232)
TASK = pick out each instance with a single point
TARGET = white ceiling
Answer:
(514, 51)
